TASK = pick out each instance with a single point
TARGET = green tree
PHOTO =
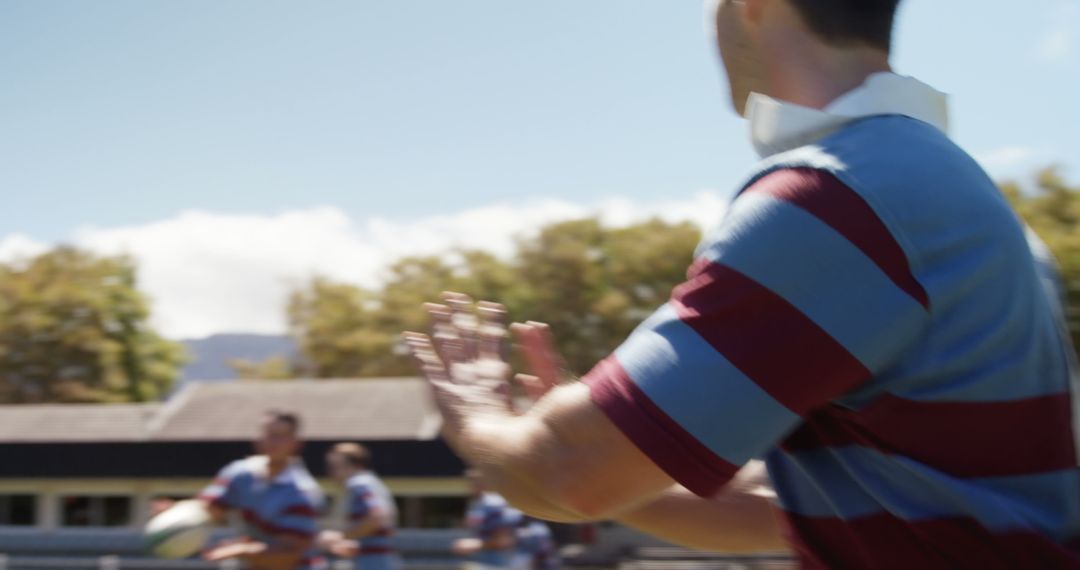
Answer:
(592, 284)
(73, 328)
(337, 327)
(273, 368)
(1052, 209)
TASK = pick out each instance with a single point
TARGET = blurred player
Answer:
(535, 542)
(371, 511)
(494, 525)
(277, 497)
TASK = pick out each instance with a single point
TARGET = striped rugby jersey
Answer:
(870, 319)
(537, 544)
(287, 505)
(367, 496)
(488, 514)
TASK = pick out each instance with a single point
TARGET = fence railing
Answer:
(122, 563)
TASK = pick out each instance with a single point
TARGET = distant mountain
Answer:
(210, 356)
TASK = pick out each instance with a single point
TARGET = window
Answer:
(18, 510)
(96, 511)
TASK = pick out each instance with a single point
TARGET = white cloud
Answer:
(18, 246)
(1011, 160)
(210, 272)
(1058, 42)
(1057, 45)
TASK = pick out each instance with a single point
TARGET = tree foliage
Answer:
(1051, 207)
(73, 328)
(592, 284)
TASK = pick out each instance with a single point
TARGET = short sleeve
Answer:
(365, 502)
(799, 297)
(223, 490)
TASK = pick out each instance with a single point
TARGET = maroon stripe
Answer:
(885, 542)
(367, 550)
(963, 439)
(271, 528)
(660, 437)
(354, 517)
(767, 338)
(300, 511)
(828, 199)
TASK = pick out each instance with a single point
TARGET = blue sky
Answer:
(120, 115)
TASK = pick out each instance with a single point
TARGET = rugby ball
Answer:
(178, 532)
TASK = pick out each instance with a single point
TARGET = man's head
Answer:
(346, 459)
(772, 46)
(279, 436)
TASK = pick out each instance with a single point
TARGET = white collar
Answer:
(287, 475)
(778, 126)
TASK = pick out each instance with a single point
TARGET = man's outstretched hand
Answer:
(561, 460)
(547, 369)
(463, 359)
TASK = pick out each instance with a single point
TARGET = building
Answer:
(73, 466)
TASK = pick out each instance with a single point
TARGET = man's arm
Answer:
(367, 526)
(284, 552)
(801, 296)
(498, 539)
(219, 495)
(368, 512)
(562, 460)
(741, 519)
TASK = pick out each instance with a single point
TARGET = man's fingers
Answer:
(463, 320)
(534, 387)
(444, 336)
(422, 350)
(554, 367)
(538, 348)
(492, 332)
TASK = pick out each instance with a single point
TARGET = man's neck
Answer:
(817, 76)
(275, 467)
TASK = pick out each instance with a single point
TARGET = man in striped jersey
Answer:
(277, 497)
(535, 541)
(493, 524)
(868, 318)
(370, 510)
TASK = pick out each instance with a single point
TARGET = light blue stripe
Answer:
(698, 388)
(853, 482)
(800, 258)
(818, 485)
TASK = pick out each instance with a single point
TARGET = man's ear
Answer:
(752, 12)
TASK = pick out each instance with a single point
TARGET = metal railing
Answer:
(123, 563)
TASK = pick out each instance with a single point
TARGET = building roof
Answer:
(366, 410)
(75, 422)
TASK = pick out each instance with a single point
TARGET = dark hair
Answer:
(354, 453)
(848, 22)
(288, 418)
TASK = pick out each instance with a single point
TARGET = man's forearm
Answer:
(366, 527)
(741, 519)
(524, 475)
(561, 460)
(275, 556)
